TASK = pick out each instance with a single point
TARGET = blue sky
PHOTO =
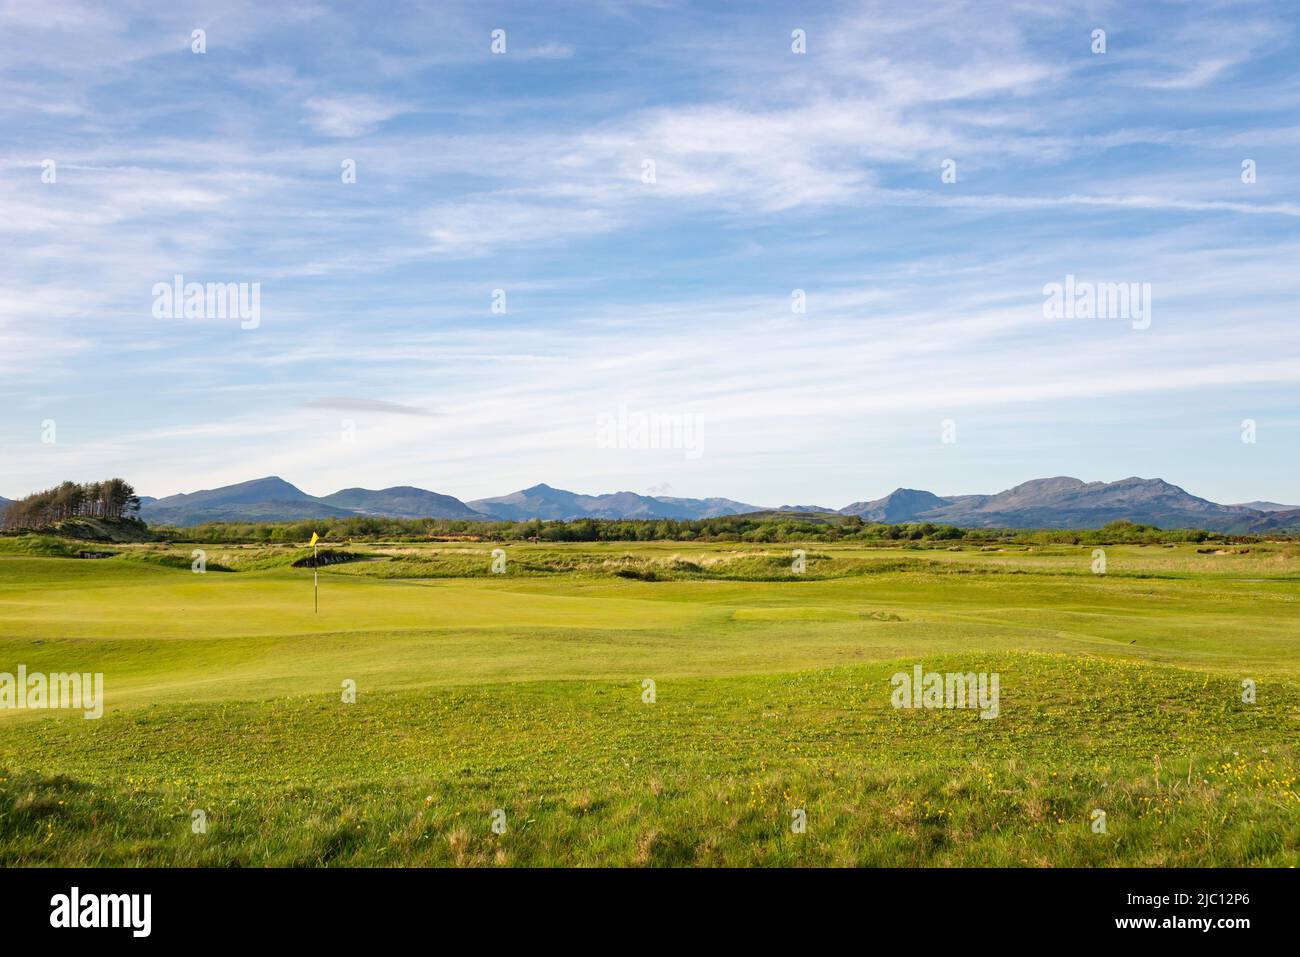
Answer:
(378, 360)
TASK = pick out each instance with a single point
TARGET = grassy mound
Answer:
(709, 774)
(49, 546)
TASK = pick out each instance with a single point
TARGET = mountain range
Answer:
(1064, 502)
(1059, 502)
(542, 501)
(273, 499)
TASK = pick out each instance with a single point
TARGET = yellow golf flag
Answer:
(314, 539)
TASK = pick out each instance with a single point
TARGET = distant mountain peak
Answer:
(898, 506)
(1056, 482)
(1267, 506)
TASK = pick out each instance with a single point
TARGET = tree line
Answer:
(752, 529)
(114, 498)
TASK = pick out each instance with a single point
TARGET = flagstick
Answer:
(315, 578)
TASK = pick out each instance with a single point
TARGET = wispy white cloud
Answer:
(349, 115)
